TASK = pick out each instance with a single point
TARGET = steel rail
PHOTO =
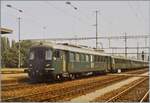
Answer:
(126, 90)
(145, 96)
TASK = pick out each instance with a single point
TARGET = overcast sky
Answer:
(61, 20)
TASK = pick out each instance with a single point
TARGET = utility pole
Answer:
(76, 39)
(96, 30)
(19, 19)
(137, 50)
(109, 42)
(44, 30)
(125, 45)
(19, 62)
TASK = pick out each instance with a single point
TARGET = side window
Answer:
(77, 57)
(102, 59)
(31, 55)
(72, 57)
(99, 58)
(82, 57)
(94, 58)
(91, 58)
(87, 58)
(57, 54)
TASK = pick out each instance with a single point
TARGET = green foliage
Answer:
(10, 53)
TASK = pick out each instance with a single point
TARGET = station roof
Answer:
(5, 31)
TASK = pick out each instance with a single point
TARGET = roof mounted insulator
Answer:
(41, 43)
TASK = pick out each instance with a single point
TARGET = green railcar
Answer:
(57, 61)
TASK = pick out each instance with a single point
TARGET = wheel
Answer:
(59, 77)
(72, 76)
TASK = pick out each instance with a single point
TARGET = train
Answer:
(56, 61)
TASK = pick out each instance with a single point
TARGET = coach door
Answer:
(64, 58)
(91, 60)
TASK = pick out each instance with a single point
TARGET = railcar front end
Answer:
(40, 63)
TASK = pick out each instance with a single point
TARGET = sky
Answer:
(52, 19)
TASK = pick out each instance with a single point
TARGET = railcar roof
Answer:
(128, 59)
(71, 48)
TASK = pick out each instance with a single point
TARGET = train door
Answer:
(108, 64)
(64, 59)
(112, 64)
(91, 60)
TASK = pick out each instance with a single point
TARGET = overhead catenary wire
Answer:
(30, 17)
(66, 13)
(100, 37)
(137, 13)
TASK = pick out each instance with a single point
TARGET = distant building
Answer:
(6, 31)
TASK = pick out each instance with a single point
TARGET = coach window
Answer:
(77, 57)
(82, 57)
(87, 58)
(95, 58)
(31, 56)
(72, 57)
(99, 58)
(102, 59)
(48, 54)
(92, 58)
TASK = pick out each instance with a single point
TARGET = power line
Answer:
(127, 48)
(66, 13)
(131, 7)
(96, 29)
(101, 37)
(127, 53)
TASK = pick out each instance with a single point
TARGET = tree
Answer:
(10, 53)
(25, 46)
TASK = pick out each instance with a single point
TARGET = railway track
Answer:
(126, 95)
(137, 71)
(145, 97)
(64, 92)
(10, 87)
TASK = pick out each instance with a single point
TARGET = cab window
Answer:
(31, 55)
(57, 54)
(48, 54)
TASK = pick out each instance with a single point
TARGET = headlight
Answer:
(47, 65)
(50, 69)
(37, 71)
(30, 65)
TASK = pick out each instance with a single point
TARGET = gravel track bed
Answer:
(140, 71)
(133, 95)
(17, 86)
(56, 88)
